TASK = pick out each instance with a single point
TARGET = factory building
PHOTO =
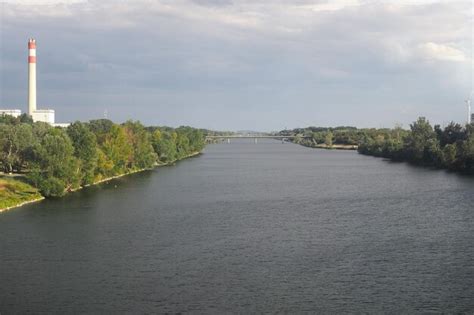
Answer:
(11, 112)
(43, 115)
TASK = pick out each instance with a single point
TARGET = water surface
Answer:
(246, 227)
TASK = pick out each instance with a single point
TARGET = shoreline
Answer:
(336, 147)
(24, 203)
(333, 147)
(103, 181)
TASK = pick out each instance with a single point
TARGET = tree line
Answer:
(56, 160)
(451, 147)
(329, 136)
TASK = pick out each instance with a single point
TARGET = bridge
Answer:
(255, 137)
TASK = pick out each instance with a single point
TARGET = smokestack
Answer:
(31, 76)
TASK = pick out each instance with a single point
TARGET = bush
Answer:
(52, 187)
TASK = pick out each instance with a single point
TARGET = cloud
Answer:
(42, 2)
(306, 60)
(442, 52)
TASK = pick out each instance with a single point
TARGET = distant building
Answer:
(62, 125)
(44, 115)
(11, 112)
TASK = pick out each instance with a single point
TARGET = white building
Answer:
(11, 112)
(44, 115)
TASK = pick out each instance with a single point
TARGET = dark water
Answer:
(248, 228)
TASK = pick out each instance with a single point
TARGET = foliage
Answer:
(57, 160)
(16, 142)
(84, 142)
(451, 147)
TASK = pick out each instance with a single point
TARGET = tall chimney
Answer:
(31, 76)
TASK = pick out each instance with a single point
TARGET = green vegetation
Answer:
(329, 138)
(451, 148)
(57, 160)
(14, 192)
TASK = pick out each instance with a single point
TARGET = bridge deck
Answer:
(253, 137)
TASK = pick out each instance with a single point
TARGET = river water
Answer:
(247, 228)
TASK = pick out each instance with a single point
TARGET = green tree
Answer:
(54, 164)
(85, 150)
(16, 141)
(117, 150)
(328, 139)
(418, 141)
(143, 154)
(166, 147)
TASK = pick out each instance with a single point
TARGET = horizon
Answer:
(242, 65)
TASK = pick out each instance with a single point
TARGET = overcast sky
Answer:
(241, 64)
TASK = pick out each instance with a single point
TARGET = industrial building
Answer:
(11, 112)
(44, 115)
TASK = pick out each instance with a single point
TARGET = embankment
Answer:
(15, 193)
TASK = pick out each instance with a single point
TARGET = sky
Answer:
(242, 64)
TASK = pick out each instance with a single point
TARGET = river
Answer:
(248, 228)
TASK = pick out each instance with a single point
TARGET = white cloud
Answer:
(442, 52)
(42, 2)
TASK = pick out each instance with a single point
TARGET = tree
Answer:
(143, 154)
(417, 142)
(165, 147)
(449, 155)
(54, 164)
(466, 158)
(85, 149)
(26, 119)
(117, 150)
(328, 139)
(16, 141)
(451, 134)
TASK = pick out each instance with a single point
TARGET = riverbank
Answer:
(15, 193)
(330, 147)
(141, 170)
(335, 147)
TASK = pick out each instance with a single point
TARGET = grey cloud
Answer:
(209, 63)
(213, 2)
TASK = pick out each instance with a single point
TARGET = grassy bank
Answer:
(15, 193)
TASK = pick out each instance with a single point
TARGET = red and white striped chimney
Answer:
(31, 76)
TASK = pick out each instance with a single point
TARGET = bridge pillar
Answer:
(228, 140)
(256, 140)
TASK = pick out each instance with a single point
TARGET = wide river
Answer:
(248, 228)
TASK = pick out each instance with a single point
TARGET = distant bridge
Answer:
(255, 137)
